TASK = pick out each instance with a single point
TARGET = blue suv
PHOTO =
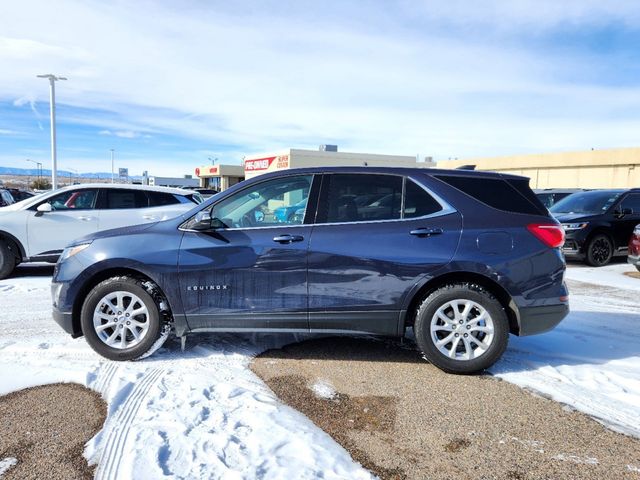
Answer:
(465, 258)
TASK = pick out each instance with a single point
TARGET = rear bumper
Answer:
(534, 320)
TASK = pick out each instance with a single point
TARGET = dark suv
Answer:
(465, 258)
(598, 223)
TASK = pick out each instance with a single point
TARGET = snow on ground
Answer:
(197, 414)
(612, 275)
(203, 414)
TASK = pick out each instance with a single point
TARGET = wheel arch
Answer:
(104, 275)
(471, 278)
(14, 244)
(599, 230)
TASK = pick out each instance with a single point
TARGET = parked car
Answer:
(39, 228)
(634, 248)
(205, 192)
(550, 196)
(229, 265)
(598, 223)
(286, 213)
(6, 198)
(18, 194)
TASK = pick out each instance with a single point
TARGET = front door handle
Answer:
(288, 238)
(85, 218)
(426, 232)
(149, 217)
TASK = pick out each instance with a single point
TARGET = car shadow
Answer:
(584, 338)
(33, 270)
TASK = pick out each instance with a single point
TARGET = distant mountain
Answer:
(62, 173)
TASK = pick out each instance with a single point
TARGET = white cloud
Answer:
(370, 78)
(7, 131)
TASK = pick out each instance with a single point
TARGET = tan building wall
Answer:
(297, 158)
(613, 168)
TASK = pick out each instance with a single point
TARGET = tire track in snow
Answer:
(120, 427)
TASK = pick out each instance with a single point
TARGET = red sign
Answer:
(213, 169)
(258, 164)
(197, 171)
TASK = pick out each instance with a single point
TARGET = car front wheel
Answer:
(461, 328)
(121, 319)
(599, 251)
(7, 260)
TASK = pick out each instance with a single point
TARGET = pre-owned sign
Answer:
(258, 164)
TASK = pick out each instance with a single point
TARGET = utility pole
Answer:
(112, 169)
(52, 107)
(38, 169)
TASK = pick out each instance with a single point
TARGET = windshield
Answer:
(586, 202)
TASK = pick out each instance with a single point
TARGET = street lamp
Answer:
(52, 107)
(39, 170)
(213, 160)
(112, 169)
(71, 174)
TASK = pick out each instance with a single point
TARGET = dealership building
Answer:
(611, 168)
(327, 156)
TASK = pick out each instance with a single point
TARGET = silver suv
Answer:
(38, 229)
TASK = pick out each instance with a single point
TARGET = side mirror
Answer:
(202, 220)
(43, 208)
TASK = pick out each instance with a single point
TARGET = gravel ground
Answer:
(402, 418)
(45, 428)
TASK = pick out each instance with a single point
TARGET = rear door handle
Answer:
(426, 232)
(149, 217)
(288, 238)
(85, 218)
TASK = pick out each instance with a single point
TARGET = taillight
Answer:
(551, 234)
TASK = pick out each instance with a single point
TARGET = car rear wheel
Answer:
(599, 251)
(121, 319)
(7, 260)
(461, 328)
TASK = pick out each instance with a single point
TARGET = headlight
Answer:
(71, 251)
(574, 226)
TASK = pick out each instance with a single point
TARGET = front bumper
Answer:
(540, 319)
(65, 320)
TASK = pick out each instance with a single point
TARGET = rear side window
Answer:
(632, 201)
(509, 195)
(372, 197)
(418, 202)
(362, 197)
(120, 199)
(160, 199)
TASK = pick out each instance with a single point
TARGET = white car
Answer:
(38, 229)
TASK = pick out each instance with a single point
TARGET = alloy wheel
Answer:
(462, 329)
(121, 320)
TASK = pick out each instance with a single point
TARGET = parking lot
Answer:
(203, 412)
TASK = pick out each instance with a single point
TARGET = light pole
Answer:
(39, 170)
(112, 169)
(71, 172)
(52, 107)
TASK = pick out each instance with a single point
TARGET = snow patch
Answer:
(6, 464)
(324, 389)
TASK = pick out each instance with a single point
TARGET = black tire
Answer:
(7, 260)
(157, 328)
(599, 251)
(473, 295)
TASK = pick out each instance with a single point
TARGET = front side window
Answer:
(632, 201)
(281, 201)
(592, 202)
(74, 200)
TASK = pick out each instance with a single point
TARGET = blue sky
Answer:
(169, 84)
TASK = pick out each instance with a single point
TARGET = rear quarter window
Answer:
(510, 195)
(160, 199)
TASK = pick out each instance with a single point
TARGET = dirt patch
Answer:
(45, 429)
(633, 274)
(402, 418)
